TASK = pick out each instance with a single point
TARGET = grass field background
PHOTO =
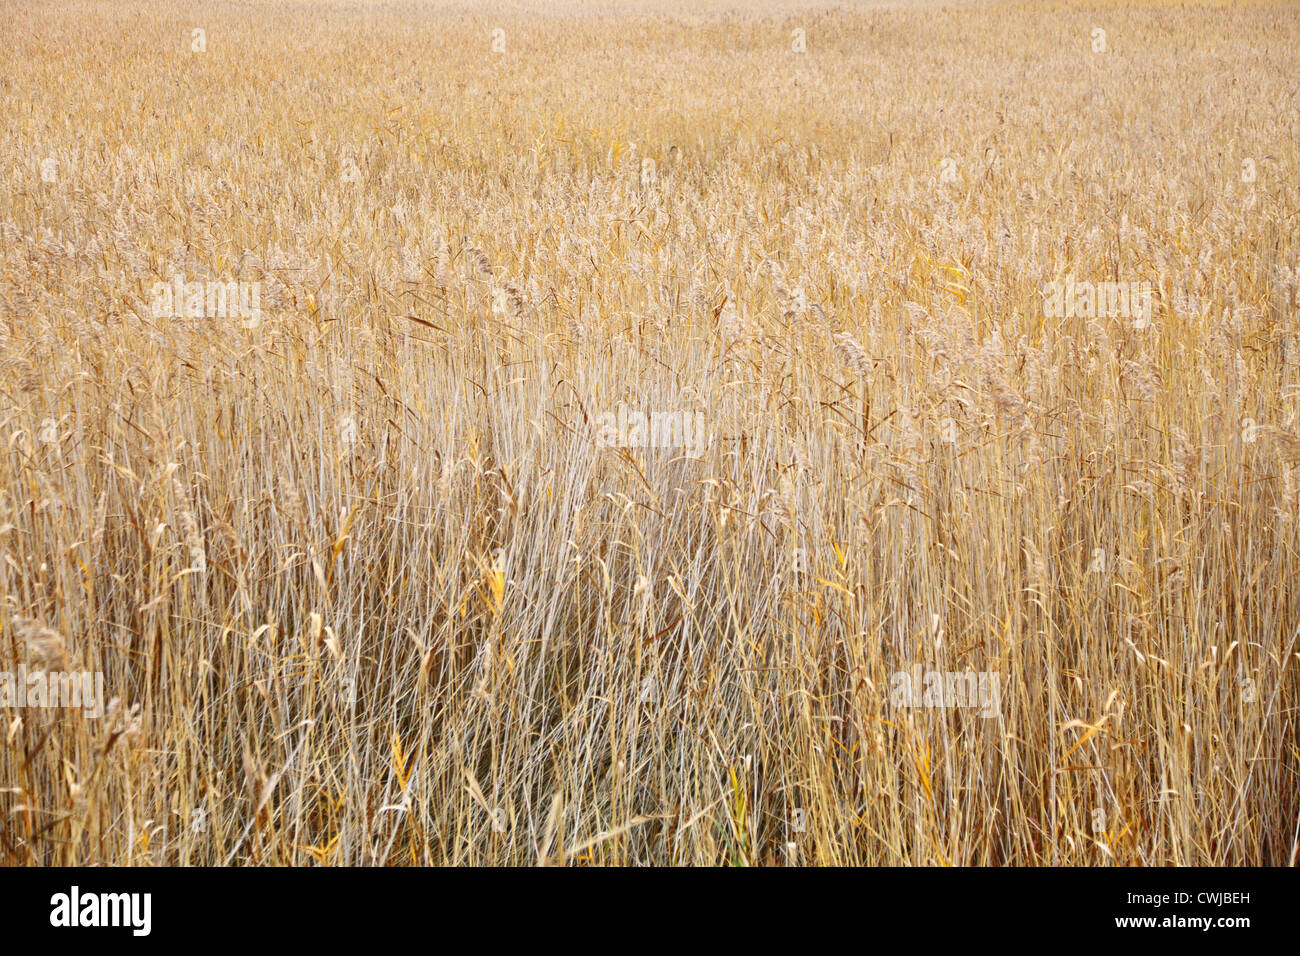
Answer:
(364, 584)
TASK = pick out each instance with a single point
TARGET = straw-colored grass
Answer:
(366, 586)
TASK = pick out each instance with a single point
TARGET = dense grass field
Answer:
(650, 433)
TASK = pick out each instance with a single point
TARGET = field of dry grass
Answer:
(381, 570)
